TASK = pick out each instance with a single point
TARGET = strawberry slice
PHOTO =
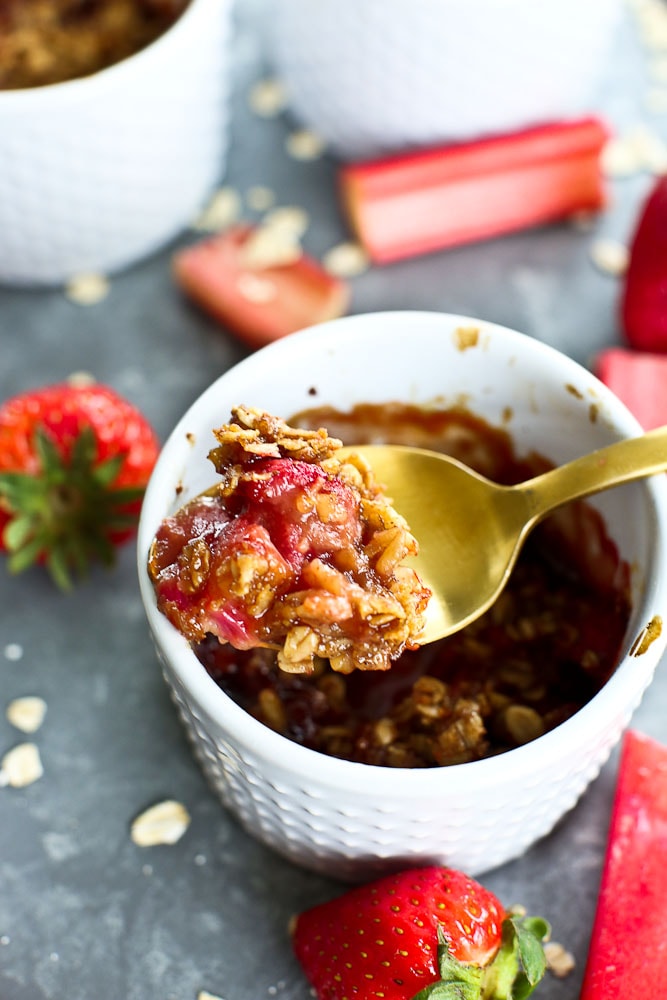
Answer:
(257, 302)
(638, 378)
(627, 950)
(643, 304)
(424, 933)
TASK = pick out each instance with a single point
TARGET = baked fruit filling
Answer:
(287, 498)
(296, 548)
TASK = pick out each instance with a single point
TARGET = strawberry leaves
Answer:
(520, 963)
(75, 458)
(65, 514)
(513, 974)
(528, 934)
(458, 981)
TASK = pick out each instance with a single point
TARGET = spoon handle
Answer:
(621, 462)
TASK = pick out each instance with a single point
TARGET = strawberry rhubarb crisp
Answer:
(50, 41)
(543, 650)
(295, 549)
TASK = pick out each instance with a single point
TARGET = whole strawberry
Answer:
(74, 462)
(643, 304)
(424, 933)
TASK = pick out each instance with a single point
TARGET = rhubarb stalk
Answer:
(425, 201)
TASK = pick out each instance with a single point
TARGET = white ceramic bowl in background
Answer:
(98, 172)
(376, 76)
(353, 820)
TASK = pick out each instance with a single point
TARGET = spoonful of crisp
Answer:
(470, 530)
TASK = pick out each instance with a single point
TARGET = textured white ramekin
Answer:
(376, 76)
(99, 172)
(353, 820)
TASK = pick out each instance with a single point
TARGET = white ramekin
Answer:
(377, 76)
(98, 172)
(353, 820)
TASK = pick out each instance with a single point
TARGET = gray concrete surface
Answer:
(83, 911)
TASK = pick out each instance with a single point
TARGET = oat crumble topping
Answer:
(296, 549)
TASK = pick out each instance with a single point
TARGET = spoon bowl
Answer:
(470, 530)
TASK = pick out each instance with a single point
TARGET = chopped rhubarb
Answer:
(296, 549)
(639, 379)
(644, 297)
(429, 200)
(626, 960)
(257, 301)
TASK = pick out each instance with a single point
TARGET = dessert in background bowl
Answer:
(378, 76)
(50, 41)
(110, 149)
(347, 817)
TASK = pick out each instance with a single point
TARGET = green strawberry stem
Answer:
(513, 974)
(67, 513)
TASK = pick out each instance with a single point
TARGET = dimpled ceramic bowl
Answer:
(101, 171)
(353, 820)
(376, 76)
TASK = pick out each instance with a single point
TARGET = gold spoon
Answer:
(470, 530)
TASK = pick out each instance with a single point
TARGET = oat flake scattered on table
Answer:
(637, 150)
(289, 218)
(621, 157)
(610, 256)
(204, 995)
(223, 208)
(267, 98)
(304, 144)
(260, 198)
(346, 260)
(163, 823)
(26, 714)
(87, 289)
(81, 379)
(21, 766)
(270, 246)
(559, 961)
